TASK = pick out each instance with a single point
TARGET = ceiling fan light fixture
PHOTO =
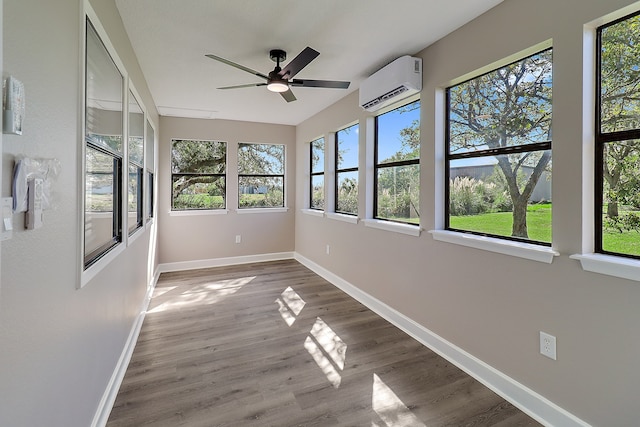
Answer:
(278, 86)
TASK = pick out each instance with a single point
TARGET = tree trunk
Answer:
(612, 209)
(520, 218)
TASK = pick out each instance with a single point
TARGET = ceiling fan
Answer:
(281, 79)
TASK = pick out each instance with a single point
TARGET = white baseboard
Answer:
(221, 262)
(527, 400)
(109, 397)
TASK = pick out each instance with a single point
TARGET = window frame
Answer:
(338, 171)
(215, 175)
(448, 157)
(601, 139)
(313, 174)
(149, 162)
(138, 165)
(387, 165)
(91, 258)
(263, 175)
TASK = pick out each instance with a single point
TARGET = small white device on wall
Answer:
(13, 106)
(33, 218)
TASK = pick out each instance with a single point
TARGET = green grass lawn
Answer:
(539, 227)
(500, 223)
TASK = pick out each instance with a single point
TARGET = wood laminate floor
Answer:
(274, 344)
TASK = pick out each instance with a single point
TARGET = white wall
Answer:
(490, 305)
(202, 236)
(59, 344)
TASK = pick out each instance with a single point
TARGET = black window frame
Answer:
(516, 149)
(601, 139)
(92, 142)
(315, 174)
(264, 175)
(338, 171)
(215, 175)
(385, 165)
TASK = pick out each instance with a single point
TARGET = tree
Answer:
(398, 174)
(508, 107)
(620, 110)
(194, 165)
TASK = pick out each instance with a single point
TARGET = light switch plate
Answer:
(7, 218)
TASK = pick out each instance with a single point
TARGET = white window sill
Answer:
(352, 219)
(198, 212)
(261, 210)
(312, 212)
(411, 230)
(506, 247)
(625, 268)
(87, 275)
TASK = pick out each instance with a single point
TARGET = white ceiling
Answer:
(354, 37)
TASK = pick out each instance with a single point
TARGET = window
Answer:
(104, 93)
(260, 175)
(136, 163)
(617, 187)
(198, 174)
(397, 165)
(498, 161)
(347, 170)
(317, 174)
(150, 162)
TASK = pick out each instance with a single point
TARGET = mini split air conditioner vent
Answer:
(392, 83)
(389, 95)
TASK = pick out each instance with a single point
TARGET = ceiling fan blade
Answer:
(332, 84)
(288, 96)
(238, 66)
(298, 63)
(241, 86)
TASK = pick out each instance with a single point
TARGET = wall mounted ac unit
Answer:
(393, 82)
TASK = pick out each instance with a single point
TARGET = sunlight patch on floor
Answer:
(328, 350)
(290, 304)
(203, 294)
(391, 410)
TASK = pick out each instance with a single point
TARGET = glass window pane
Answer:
(136, 131)
(99, 200)
(261, 159)
(104, 93)
(260, 192)
(619, 66)
(134, 193)
(150, 141)
(398, 195)
(398, 134)
(317, 192)
(204, 157)
(507, 107)
(480, 199)
(150, 195)
(621, 198)
(347, 200)
(347, 155)
(198, 192)
(317, 155)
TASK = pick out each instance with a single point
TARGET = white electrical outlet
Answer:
(548, 345)
(328, 249)
(238, 238)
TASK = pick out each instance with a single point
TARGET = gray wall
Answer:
(490, 305)
(208, 237)
(59, 344)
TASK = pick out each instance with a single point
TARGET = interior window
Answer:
(498, 161)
